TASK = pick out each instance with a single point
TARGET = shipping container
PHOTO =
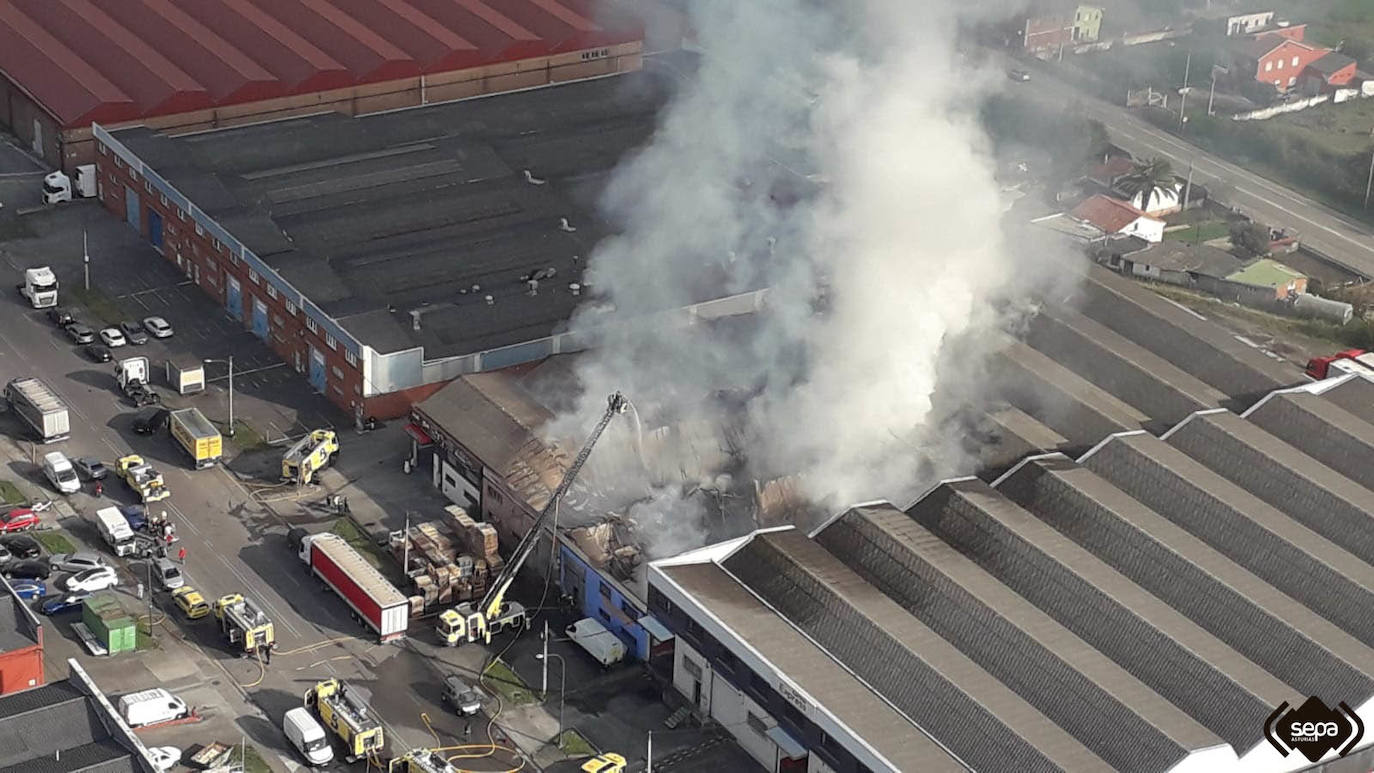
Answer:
(371, 597)
(110, 623)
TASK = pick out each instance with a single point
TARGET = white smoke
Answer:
(866, 109)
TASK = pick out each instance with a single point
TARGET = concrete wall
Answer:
(78, 147)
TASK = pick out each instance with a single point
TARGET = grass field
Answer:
(54, 541)
(508, 684)
(10, 493)
(99, 304)
(1343, 128)
(1199, 233)
(346, 528)
(245, 436)
(574, 745)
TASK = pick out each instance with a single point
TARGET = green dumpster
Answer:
(110, 623)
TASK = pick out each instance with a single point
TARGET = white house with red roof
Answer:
(1114, 216)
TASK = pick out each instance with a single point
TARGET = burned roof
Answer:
(1193, 258)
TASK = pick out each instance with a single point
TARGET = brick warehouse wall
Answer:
(212, 267)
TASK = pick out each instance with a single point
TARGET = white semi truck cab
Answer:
(39, 287)
(59, 187)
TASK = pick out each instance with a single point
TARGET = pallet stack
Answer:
(442, 570)
(479, 539)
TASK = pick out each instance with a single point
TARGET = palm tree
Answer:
(1147, 179)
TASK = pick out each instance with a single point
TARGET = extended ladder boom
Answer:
(491, 604)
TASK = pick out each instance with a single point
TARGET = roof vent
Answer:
(491, 301)
(533, 286)
(415, 319)
(564, 225)
(532, 180)
(575, 288)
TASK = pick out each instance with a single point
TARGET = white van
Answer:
(114, 529)
(149, 707)
(597, 640)
(307, 736)
(60, 472)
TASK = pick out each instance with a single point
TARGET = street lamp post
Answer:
(562, 687)
(230, 362)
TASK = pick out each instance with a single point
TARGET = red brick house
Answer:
(1328, 73)
(1274, 58)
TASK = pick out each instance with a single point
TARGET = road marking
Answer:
(1184, 308)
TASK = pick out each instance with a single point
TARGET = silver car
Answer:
(76, 562)
(167, 574)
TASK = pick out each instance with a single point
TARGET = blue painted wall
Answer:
(592, 603)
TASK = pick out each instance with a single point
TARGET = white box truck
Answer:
(59, 187)
(597, 640)
(60, 473)
(151, 707)
(39, 287)
(40, 408)
(114, 529)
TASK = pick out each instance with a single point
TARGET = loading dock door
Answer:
(131, 208)
(233, 297)
(317, 369)
(259, 318)
(155, 230)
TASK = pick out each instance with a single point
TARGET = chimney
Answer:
(415, 319)
(533, 286)
(491, 301)
(575, 288)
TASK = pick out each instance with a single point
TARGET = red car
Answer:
(18, 520)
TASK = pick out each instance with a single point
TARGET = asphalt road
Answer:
(1345, 241)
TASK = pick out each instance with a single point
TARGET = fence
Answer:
(1287, 107)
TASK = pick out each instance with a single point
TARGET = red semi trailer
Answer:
(375, 601)
(1350, 360)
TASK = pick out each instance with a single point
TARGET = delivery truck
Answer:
(597, 640)
(196, 436)
(40, 408)
(115, 530)
(375, 602)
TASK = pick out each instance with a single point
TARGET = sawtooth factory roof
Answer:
(1143, 608)
(121, 60)
(423, 227)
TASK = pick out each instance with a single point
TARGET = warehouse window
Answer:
(103, 150)
(338, 391)
(337, 373)
(1268, 66)
(276, 320)
(350, 359)
(252, 276)
(234, 259)
(692, 667)
(199, 231)
(330, 342)
(310, 323)
(119, 162)
(290, 307)
(357, 389)
(271, 291)
(1281, 62)
(181, 214)
(1295, 61)
(162, 197)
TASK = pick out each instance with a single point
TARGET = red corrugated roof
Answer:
(117, 60)
(1109, 214)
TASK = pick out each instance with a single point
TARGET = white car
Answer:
(60, 473)
(113, 337)
(164, 757)
(76, 562)
(91, 580)
(158, 328)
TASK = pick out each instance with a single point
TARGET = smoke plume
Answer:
(830, 152)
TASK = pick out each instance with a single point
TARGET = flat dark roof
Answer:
(376, 217)
(16, 627)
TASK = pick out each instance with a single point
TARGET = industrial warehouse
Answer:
(185, 67)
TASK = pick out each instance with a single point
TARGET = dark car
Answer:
(1020, 76)
(79, 333)
(134, 332)
(98, 352)
(460, 696)
(59, 604)
(135, 515)
(60, 316)
(151, 421)
(21, 545)
(28, 570)
(90, 468)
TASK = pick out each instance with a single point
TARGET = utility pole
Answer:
(405, 546)
(1182, 106)
(1213, 93)
(85, 260)
(230, 362)
(1188, 185)
(151, 635)
(1187, 67)
(544, 665)
(649, 759)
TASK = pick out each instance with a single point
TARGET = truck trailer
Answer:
(197, 436)
(375, 601)
(40, 408)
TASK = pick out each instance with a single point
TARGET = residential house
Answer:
(1087, 24)
(1245, 23)
(1328, 73)
(1114, 216)
(1273, 58)
(1107, 173)
(1285, 282)
(1176, 262)
(1054, 26)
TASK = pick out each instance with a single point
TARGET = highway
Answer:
(1343, 240)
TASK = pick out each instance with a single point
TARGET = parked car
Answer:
(1020, 76)
(79, 333)
(28, 570)
(28, 590)
(5, 555)
(18, 520)
(90, 468)
(151, 421)
(59, 604)
(167, 574)
(135, 515)
(76, 562)
(460, 696)
(113, 337)
(58, 469)
(158, 327)
(98, 353)
(60, 316)
(134, 332)
(21, 545)
(192, 604)
(164, 757)
(91, 580)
